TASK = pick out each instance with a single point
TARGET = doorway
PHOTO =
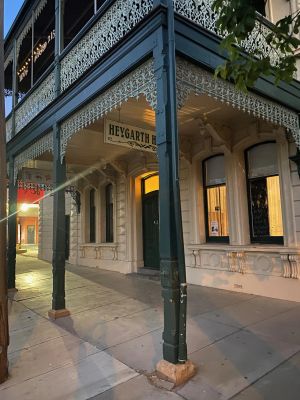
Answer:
(150, 210)
(30, 234)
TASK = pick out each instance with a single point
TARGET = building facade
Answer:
(99, 93)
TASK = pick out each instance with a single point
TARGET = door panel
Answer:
(151, 230)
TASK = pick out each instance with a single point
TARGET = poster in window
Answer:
(214, 228)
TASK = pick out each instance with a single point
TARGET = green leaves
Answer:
(236, 21)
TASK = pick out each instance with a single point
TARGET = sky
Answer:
(11, 9)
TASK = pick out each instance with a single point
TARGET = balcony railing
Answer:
(112, 24)
(201, 13)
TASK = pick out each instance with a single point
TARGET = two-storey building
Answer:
(106, 97)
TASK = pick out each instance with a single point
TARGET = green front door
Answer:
(151, 230)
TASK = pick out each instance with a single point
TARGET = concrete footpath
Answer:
(246, 347)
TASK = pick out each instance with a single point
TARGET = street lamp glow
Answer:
(24, 207)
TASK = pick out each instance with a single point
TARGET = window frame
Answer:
(92, 235)
(213, 239)
(109, 214)
(262, 239)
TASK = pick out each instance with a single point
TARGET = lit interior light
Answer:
(24, 207)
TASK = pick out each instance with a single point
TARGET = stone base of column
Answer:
(176, 373)
(56, 314)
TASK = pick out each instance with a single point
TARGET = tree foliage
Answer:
(236, 21)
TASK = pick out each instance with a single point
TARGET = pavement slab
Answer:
(90, 376)
(231, 364)
(144, 352)
(250, 312)
(246, 347)
(281, 383)
(137, 388)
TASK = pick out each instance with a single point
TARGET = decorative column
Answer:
(59, 227)
(14, 89)
(59, 4)
(12, 228)
(172, 265)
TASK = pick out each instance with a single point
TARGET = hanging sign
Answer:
(129, 136)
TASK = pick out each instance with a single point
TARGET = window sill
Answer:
(266, 248)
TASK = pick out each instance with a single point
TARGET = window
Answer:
(92, 216)
(260, 6)
(264, 194)
(109, 214)
(215, 200)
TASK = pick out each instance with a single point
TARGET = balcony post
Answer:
(59, 227)
(172, 263)
(58, 42)
(14, 88)
(12, 228)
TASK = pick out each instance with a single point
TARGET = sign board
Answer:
(129, 136)
(214, 228)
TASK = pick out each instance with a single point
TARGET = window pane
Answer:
(92, 217)
(217, 211)
(215, 171)
(109, 213)
(274, 203)
(266, 213)
(151, 184)
(262, 160)
(259, 208)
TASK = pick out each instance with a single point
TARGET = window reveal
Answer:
(264, 194)
(109, 207)
(215, 199)
(92, 216)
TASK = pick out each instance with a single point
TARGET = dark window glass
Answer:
(260, 6)
(76, 14)
(264, 194)
(92, 216)
(100, 3)
(44, 40)
(215, 199)
(109, 223)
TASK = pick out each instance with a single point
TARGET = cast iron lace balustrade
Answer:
(32, 152)
(120, 19)
(8, 128)
(42, 96)
(141, 81)
(193, 79)
(201, 12)
(28, 25)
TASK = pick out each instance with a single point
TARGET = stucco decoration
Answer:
(120, 19)
(201, 13)
(43, 95)
(38, 148)
(141, 81)
(193, 79)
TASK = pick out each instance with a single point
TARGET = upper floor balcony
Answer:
(54, 43)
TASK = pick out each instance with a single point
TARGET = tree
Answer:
(3, 278)
(237, 19)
